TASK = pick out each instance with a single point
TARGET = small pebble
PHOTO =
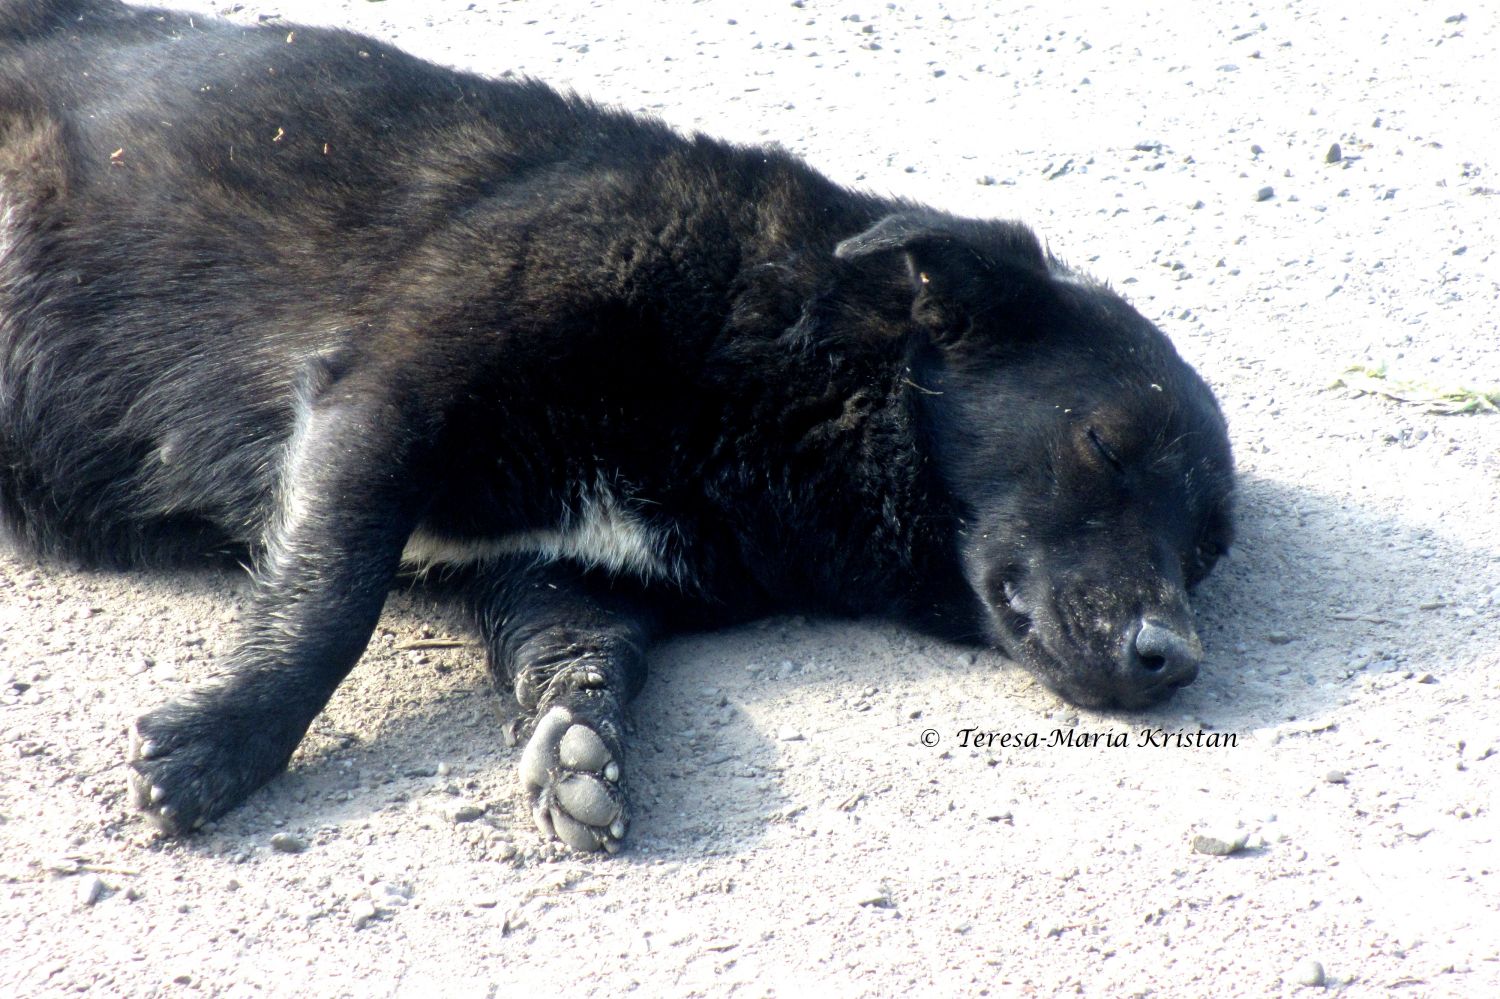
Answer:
(91, 889)
(1220, 844)
(1336, 777)
(788, 734)
(1265, 194)
(1309, 972)
(363, 912)
(1335, 153)
(284, 842)
(391, 894)
(463, 811)
(873, 896)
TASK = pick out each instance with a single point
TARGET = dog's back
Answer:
(198, 214)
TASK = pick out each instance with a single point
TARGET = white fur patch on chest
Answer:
(598, 530)
(7, 225)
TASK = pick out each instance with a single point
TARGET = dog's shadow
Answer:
(418, 731)
(1317, 594)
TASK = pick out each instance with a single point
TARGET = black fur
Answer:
(298, 297)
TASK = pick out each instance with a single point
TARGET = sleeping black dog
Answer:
(293, 296)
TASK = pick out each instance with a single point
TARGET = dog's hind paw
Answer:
(573, 779)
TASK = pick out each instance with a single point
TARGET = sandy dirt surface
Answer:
(792, 828)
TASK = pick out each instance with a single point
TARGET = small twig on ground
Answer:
(431, 643)
(1363, 379)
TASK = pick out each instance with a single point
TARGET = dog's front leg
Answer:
(347, 497)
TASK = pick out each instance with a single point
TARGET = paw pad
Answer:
(587, 799)
(582, 749)
(573, 778)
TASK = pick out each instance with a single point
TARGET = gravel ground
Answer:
(792, 827)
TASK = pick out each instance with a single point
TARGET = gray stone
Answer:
(463, 811)
(91, 889)
(284, 842)
(1309, 972)
(1220, 843)
(362, 913)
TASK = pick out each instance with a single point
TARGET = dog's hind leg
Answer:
(350, 492)
(572, 648)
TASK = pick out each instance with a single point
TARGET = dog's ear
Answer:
(959, 268)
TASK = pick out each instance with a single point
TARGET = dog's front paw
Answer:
(189, 764)
(571, 771)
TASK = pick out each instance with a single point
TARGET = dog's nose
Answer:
(1160, 656)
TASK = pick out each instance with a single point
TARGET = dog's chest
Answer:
(597, 529)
